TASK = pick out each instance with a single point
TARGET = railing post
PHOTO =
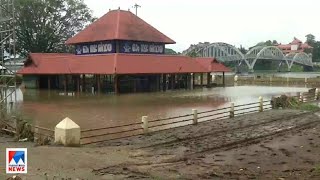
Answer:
(195, 116)
(145, 124)
(300, 97)
(231, 110)
(316, 94)
(260, 104)
(306, 80)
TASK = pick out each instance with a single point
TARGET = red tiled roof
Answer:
(212, 65)
(120, 25)
(46, 63)
(306, 46)
(296, 41)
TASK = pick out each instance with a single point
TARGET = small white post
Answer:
(231, 110)
(306, 80)
(316, 94)
(195, 116)
(80, 88)
(270, 79)
(145, 124)
(92, 90)
(67, 133)
(260, 104)
(287, 79)
(236, 78)
(301, 97)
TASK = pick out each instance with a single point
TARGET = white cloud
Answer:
(236, 22)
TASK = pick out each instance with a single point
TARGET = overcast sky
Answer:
(237, 22)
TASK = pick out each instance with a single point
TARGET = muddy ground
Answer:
(277, 144)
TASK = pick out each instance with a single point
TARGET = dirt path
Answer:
(263, 146)
(273, 144)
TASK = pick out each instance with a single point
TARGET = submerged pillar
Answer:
(65, 84)
(49, 83)
(98, 83)
(193, 80)
(84, 83)
(201, 79)
(116, 85)
(208, 79)
(78, 84)
(223, 80)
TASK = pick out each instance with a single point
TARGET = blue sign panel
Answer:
(103, 47)
(137, 47)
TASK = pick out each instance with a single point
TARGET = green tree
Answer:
(45, 25)
(193, 54)
(170, 51)
(311, 39)
(243, 50)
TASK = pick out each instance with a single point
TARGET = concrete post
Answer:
(236, 78)
(195, 116)
(300, 97)
(287, 79)
(270, 79)
(67, 133)
(231, 110)
(145, 124)
(92, 90)
(260, 104)
(306, 80)
(316, 94)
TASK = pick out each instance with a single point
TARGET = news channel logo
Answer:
(16, 160)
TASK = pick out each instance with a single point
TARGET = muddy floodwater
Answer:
(46, 109)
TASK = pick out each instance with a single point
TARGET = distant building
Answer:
(295, 46)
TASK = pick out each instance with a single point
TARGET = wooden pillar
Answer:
(172, 81)
(83, 82)
(208, 79)
(223, 79)
(65, 83)
(49, 83)
(78, 84)
(193, 80)
(159, 82)
(98, 83)
(166, 81)
(201, 79)
(116, 85)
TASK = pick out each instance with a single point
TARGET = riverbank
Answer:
(271, 144)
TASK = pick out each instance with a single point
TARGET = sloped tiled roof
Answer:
(46, 63)
(120, 25)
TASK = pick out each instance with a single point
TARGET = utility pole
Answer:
(136, 6)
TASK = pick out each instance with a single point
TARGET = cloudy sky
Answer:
(237, 22)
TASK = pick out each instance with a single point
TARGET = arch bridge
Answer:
(224, 52)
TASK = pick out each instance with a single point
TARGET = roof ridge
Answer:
(118, 25)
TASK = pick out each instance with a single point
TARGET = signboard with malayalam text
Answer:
(103, 47)
(136, 47)
(132, 47)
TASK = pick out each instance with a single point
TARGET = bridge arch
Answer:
(264, 52)
(223, 52)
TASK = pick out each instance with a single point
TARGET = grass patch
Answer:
(308, 107)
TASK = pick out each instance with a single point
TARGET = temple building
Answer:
(296, 46)
(118, 53)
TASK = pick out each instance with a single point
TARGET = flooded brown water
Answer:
(46, 109)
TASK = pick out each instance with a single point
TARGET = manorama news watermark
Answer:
(16, 160)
